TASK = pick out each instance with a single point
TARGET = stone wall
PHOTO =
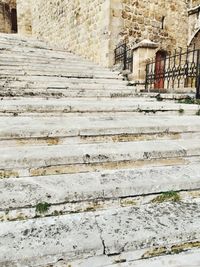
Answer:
(156, 20)
(92, 28)
(194, 3)
(24, 15)
(78, 26)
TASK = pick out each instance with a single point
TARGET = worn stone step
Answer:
(70, 193)
(110, 232)
(59, 92)
(55, 67)
(67, 74)
(74, 80)
(66, 130)
(63, 83)
(59, 56)
(87, 105)
(46, 160)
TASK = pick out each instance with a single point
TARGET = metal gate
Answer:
(181, 70)
(124, 56)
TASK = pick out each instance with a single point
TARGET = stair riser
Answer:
(85, 168)
(67, 113)
(49, 141)
(95, 203)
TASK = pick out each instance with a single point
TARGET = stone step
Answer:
(133, 259)
(65, 130)
(66, 106)
(68, 92)
(155, 228)
(67, 74)
(59, 159)
(44, 60)
(68, 193)
(63, 83)
(66, 80)
(54, 66)
(28, 56)
(22, 43)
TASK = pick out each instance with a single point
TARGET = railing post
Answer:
(146, 80)
(125, 55)
(198, 75)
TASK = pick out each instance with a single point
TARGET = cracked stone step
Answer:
(110, 232)
(109, 188)
(65, 130)
(57, 159)
(88, 105)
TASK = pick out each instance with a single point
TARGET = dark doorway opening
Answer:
(14, 20)
(160, 69)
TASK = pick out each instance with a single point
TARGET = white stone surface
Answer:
(91, 234)
(33, 157)
(25, 127)
(70, 188)
(34, 105)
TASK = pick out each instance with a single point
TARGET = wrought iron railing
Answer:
(124, 56)
(181, 70)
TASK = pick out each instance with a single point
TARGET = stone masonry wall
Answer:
(163, 22)
(92, 28)
(78, 26)
(24, 15)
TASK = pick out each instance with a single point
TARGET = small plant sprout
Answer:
(42, 207)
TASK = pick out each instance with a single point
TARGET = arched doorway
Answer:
(160, 69)
(195, 40)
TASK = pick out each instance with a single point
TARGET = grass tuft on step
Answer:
(167, 196)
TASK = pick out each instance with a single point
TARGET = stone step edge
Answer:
(100, 233)
(180, 253)
(63, 194)
(98, 153)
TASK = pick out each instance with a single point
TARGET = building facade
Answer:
(93, 28)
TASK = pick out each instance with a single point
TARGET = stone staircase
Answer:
(92, 174)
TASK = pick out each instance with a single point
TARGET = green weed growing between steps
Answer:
(189, 100)
(42, 207)
(167, 196)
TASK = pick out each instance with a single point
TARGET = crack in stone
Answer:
(100, 235)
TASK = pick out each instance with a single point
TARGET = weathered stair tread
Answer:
(68, 188)
(68, 105)
(34, 127)
(42, 156)
(92, 234)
